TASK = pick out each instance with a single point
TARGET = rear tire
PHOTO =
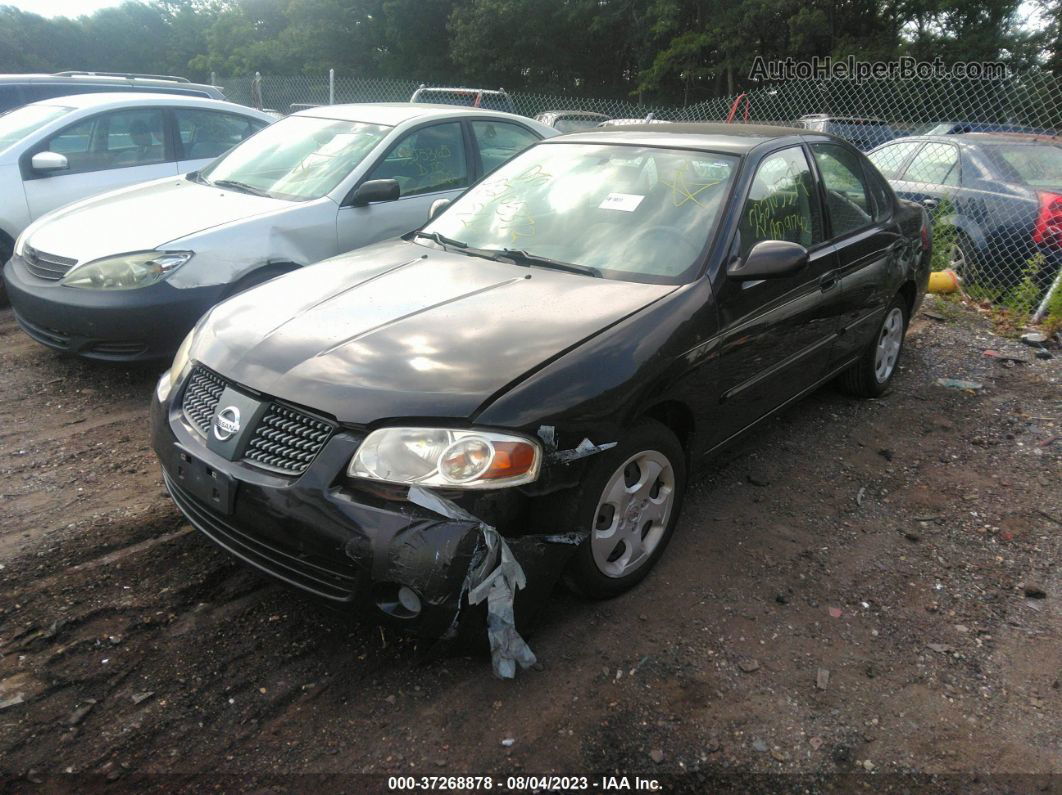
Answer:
(629, 500)
(872, 374)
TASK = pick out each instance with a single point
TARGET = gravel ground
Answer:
(863, 595)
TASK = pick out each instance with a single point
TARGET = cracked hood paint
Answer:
(402, 330)
(142, 218)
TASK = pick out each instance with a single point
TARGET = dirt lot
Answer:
(863, 588)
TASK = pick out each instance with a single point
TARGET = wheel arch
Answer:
(259, 274)
(677, 417)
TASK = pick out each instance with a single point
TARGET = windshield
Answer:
(20, 122)
(632, 213)
(1039, 166)
(298, 158)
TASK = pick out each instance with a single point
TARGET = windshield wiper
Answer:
(527, 258)
(441, 239)
(243, 187)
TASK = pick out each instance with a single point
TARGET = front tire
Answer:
(630, 501)
(872, 374)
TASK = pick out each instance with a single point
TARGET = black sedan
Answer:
(524, 387)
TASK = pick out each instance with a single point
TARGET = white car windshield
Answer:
(20, 122)
(298, 158)
(623, 212)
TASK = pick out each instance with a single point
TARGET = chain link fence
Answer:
(983, 156)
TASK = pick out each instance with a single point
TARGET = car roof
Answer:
(123, 99)
(464, 90)
(974, 138)
(842, 119)
(118, 80)
(392, 114)
(593, 113)
(1008, 137)
(733, 138)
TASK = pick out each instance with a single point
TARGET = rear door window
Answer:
(499, 141)
(936, 164)
(889, 160)
(847, 198)
(209, 133)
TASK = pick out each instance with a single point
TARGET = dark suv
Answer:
(18, 90)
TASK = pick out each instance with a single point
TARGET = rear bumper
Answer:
(111, 325)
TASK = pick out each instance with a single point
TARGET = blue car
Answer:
(1001, 194)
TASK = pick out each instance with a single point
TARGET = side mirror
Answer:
(437, 207)
(49, 161)
(375, 190)
(770, 259)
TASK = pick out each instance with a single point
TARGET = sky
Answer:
(61, 8)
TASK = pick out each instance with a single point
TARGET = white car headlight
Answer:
(126, 271)
(446, 458)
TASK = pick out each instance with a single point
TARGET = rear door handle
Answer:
(930, 204)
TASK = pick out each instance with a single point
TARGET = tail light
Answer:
(1048, 228)
(925, 231)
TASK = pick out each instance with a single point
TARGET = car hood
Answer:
(142, 218)
(400, 330)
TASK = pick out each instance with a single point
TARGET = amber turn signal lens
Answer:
(510, 459)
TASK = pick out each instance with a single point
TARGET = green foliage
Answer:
(661, 51)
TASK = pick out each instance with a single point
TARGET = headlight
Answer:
(447, 458)
(169, 379)
(126, 271)
(180, 359)
(20, 245)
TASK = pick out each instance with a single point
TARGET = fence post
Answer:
(213, 78)
(331, 86)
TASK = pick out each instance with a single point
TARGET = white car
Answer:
(57, 151)
(126, 274)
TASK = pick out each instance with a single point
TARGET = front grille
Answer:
(332, 579)
(46, 266)
(201, 398)
(286, 439)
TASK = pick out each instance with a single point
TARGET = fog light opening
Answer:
(396, 600)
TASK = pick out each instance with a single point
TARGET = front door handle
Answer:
(828, 281)
(930, 203)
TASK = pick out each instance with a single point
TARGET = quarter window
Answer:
(208, 133)
(781, 204)
(498, 141)
(936, 164)
(847, 197)
(890, 159)
(427, 160)
(112, 140)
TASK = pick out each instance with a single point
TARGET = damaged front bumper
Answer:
(359, 549)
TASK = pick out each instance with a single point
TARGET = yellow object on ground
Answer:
(943, 281)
